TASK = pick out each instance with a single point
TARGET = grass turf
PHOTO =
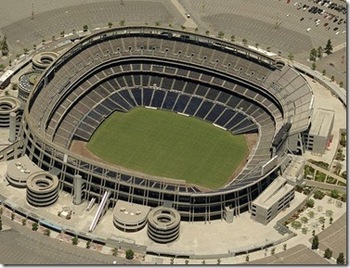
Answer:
(162, 143)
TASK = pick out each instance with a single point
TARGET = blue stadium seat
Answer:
(158, 97)
(193, 105)
(170, 100)
(225, 117)
(214, 113)
(204, 109)
(147, 95)
(181, 103)
(137, 96)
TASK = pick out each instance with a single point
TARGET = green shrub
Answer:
(334, 193)
(321, 220)
(304, 219)
(329, 213)
(129, 254)
(318, 194)
(311, 214)
(296, 224)
(310, 203)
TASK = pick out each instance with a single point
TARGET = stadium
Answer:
(230, 86)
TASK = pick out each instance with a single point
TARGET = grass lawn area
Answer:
(166, 144)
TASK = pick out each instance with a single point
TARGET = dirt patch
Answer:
(79, 147)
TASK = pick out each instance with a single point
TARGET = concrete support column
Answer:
(78, 182)
(12, 132)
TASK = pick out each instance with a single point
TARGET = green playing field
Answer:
(166, 144)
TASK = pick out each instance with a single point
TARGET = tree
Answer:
(273, 251)
(319, 52)
(157, 23)
(298, 188)
(330, 220)
(341, 84)
(85, 28)
(329, 47)
(341, 259)
(47, 232)
(12, 216)
(24, 222)
(129, 254)
(62, 33)
(313, 232)
(4, 46)
(310, 203)
(221, 34)
(304, 219)
(334, 193)
(321, 220)
(245, 41)
(332, 78)
(75, 240)
(203, 262)
(196, 30)
(247, 258)
(14, 86)
(43, 41)
(327, 253)
(172, 261)
(257, 45)
(53, 38)
(34, 47)
(268, 49)
(115, 252)
(218, 261)
(313, 66)
(25, 50)
(313, 54)
(88, 244)
(0, 224)
(183, 27)
(324, 72)
(233, 37)
(207, 32)
(290, 56)
(285, 247)
(0, 211)
(343, 198)
(35, 226)
(318, 195)
(186, 262)
(122, 22)
(110, 24)
(315, 242)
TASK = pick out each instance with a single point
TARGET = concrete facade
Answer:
(163, 225)
(130, 217)
(318, 137)
(274, 199)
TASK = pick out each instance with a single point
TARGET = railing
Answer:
(99, 211)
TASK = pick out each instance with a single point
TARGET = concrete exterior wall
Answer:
(274, 199)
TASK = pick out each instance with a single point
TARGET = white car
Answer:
(308, 29)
